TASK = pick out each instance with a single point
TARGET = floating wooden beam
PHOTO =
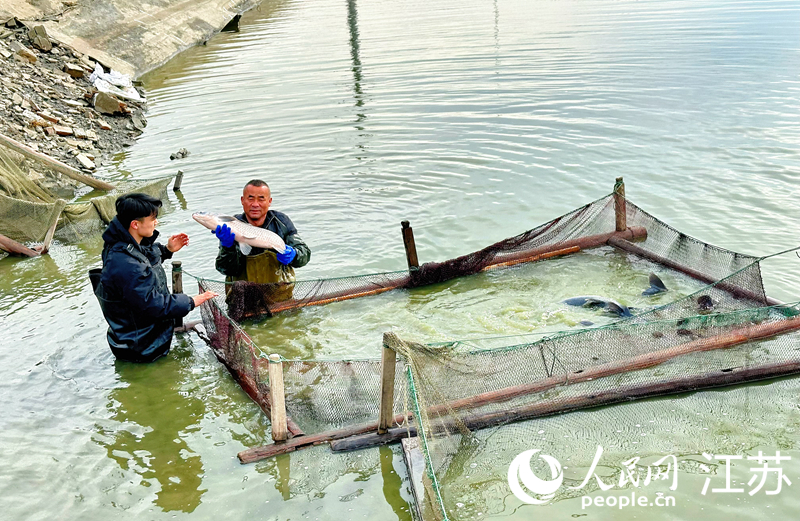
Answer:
(267, 451)
(176, 185)
(15, 248)
(56, 165)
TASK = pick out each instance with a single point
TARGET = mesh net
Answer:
(30, 202)
(474, 403)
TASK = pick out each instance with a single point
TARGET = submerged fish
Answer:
(247, 235)
(609, 305)
(656, 286)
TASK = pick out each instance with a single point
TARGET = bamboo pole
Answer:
(56, 165)
(736, 291)
(619, 205)
(410, 245)
(58, 207)
(15, 248)
(280, 430)
(388, 364)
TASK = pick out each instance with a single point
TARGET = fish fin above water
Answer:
(618, 309)
(656, 285)
(245, 248)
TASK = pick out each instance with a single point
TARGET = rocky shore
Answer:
(48, 103)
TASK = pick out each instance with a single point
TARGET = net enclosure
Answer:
(450, 395)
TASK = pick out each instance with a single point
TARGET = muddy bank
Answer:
(48, 52)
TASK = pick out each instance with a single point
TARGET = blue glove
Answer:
(287, 256)
(225, 235)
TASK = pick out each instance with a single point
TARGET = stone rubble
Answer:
(47, 102)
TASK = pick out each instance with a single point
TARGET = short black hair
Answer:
(136, 206)
(257, 183)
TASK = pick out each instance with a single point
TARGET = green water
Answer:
(475, 121)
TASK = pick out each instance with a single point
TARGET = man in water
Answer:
(259, 265)
(132, 286)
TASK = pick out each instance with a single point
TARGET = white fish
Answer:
(247, 235)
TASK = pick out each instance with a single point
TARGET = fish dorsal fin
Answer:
(656, 282)
(618, 309)
(226, 218)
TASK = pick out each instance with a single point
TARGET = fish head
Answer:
(207, 219)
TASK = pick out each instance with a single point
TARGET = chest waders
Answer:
(264, 268)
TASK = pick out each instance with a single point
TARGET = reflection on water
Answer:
(154, 415)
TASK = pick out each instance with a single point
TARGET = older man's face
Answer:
(255, 202)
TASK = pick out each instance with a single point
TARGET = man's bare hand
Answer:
(177, 241)
(203, 297)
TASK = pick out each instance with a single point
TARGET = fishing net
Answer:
(474, 403)
(588, 227)
(31, 200)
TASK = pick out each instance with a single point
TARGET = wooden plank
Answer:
(55, 164)
(280, 430)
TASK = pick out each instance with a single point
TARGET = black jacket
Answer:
(133, 294)
(230, 261)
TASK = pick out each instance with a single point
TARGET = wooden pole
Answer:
(619, 205)
(280, 430)
(58, 207)
(411, 247)
(177, 285)
(176, 186)
(15, 248)
(388, 363)
(56, 165)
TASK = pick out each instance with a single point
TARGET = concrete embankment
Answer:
(49, 48)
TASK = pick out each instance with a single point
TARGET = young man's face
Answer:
(146, 226)
(255, 202)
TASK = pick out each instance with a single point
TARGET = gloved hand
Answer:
(287, 256)
(225, 235)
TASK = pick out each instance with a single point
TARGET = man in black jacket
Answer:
(132, 286)
(258, 265)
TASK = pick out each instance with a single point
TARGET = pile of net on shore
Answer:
(28, 208)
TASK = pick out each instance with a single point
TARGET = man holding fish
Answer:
(254, 255)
